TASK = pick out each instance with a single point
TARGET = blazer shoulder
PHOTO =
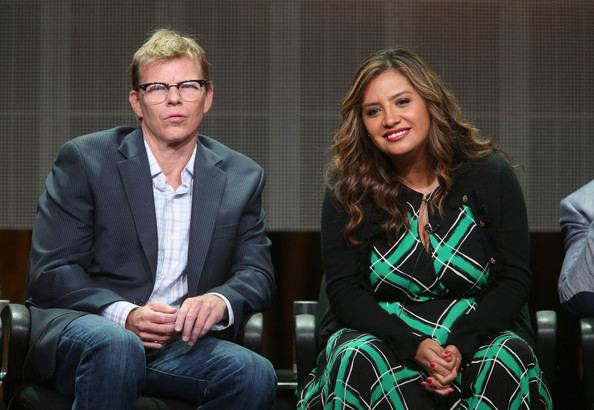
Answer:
(583, 196)
(577, 207)
(112, 137)
(228, 156)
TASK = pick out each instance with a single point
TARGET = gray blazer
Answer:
(576, 282)
(95, 235)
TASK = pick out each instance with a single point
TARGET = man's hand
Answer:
(440, 364)
(198, 315)
(153, 323)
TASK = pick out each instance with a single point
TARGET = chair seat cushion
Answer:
(37, 397)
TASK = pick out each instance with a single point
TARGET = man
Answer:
(576, 282)
(149, 248)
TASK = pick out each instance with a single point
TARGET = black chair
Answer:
(309, 315)
(587, 339)
(14, 333)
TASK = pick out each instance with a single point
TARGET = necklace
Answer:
(426, 191)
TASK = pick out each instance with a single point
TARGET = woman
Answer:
(426, 255)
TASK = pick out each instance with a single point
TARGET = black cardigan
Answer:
(490, 188)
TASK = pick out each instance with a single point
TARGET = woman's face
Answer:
(396, 117)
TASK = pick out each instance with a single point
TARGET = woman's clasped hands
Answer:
(441, 364)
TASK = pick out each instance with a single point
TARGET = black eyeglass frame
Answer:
(201, 83)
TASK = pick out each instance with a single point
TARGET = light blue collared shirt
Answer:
(173, 210)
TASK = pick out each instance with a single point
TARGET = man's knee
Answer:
(255, 376)
(106, 342)
(116, 339)
(91, 349)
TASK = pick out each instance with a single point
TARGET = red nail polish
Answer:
(432, 365)
(447, 352)
(429, 380)
(424, 385)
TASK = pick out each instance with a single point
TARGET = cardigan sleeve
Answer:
(507, 293)
(350, 299)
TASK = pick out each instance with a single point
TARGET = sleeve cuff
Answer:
(223, 326)
(118, 312)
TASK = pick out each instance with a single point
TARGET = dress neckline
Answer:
(425, 196)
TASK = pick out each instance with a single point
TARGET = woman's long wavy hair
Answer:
(359, 171)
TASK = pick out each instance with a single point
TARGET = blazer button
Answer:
(492, 261)
(465, 198)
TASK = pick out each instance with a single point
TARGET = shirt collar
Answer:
(156, 169)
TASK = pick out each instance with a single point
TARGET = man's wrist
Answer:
(228, 318)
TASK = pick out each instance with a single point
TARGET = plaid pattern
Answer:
(173, 210)
(365, 373)
(509, 358)
(428, 291)
(360, 372)
(447, 280)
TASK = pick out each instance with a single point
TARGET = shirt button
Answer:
(492, 261)
(465, 198)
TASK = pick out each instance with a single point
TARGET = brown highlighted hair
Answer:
(359, 171)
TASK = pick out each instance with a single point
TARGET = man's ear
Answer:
(208, 102)
(134, 100)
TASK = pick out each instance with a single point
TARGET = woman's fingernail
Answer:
(432, 365)
(424, 385)
(429, 380)
(447, 352)
(450, 391)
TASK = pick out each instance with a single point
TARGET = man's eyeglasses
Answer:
(189, 90)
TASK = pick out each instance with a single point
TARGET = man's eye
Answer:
(190, 85)
(156, 88)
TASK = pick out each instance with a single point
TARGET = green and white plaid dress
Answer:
(428, 291)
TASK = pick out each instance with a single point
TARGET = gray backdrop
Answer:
(522, 70)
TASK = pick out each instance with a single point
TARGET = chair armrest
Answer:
(3, 304)
(15, 338)
(252, 333)
(546, 342)
(587, 336)
(305, 307)
(305, 339)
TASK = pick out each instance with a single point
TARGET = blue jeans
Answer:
(105, 366)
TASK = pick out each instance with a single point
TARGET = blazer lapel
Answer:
(209, 186)
(136, 177)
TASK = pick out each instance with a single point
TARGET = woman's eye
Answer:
(402, 102)
(371, 112)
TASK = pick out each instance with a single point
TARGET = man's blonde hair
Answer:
(164, 44)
